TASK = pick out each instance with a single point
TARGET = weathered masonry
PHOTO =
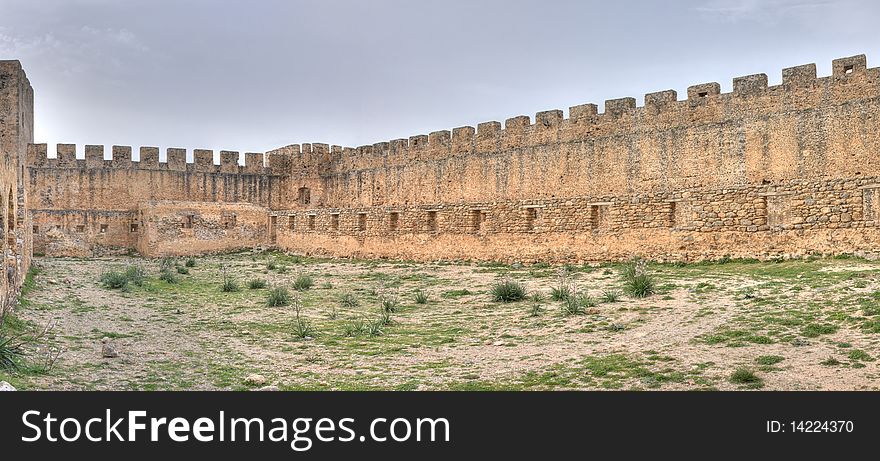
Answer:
(16, 132)
(762, 171)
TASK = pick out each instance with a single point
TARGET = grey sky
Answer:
(256, 75)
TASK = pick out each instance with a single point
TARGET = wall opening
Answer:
(10, 220)
(188, 221)
(531, 218)
(311, 222)
(598, 216)
(848, 69)
(362, 222)
(304, 196)
(36, 229)
(478, 217)
(228, 219)
(132, 228)
(703, 94)
(103, 228)
(431, 222)
(776, 210)
(273, 228)
(291, 222)
(679, 214)
(870, 196)
(79, 228)
(393, 221)
(334, 221)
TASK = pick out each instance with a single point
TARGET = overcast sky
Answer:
(256, 75)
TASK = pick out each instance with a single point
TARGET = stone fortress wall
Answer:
(759, 172)
(16, 131)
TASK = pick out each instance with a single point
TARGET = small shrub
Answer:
(572, 306)
(166, 264)
(182, 270)
(348, 299)
(256, 284)
(136, 275)
(167, 276)
(537, 297)
(303, 282)
(354, 328)
(281, 269)
(385, 317)
(389, 304)
(421, 297)
(746, 377)
(610, 296)
(508, 290)
(114, 280)
(535, 310)
(278, 297)
(637, 282)
(327, 285)
(302, 327)
(190, 262)
(229, 285)
(830, 362)
(586, 300)
(11, 353)
(563, 287)
(271, 265)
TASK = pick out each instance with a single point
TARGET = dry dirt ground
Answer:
(788, 325)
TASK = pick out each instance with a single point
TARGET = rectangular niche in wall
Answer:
(311, 222)
(393, 221)
(431, 221)
(599, 214)
(187, 221)
(304, 196)
(291, 222)
(478, 217)
(533, 214)
(133, 227)
(776, 209)
(334, 221)
(679, 214)
(362, 222)
(870, 202)
(228, 219)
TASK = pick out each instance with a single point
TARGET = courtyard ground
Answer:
(788, 325)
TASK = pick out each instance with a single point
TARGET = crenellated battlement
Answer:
(705, 104)
(275, 163)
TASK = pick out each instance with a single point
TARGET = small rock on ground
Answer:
(6, 387)
(255, 380)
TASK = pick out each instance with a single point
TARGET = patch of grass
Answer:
(190, 262)
(610, 296)
(830, 362)
(453, 294)
(167, 276)
(11, 353)
(508, 291)
(303, 282)
(278, 297)
(746, 377)
(814, 330)
(183, 270)
(769, 359)
(420, 297)
(229, 285)
(860, 355)
(349, 300)
(256, 284)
